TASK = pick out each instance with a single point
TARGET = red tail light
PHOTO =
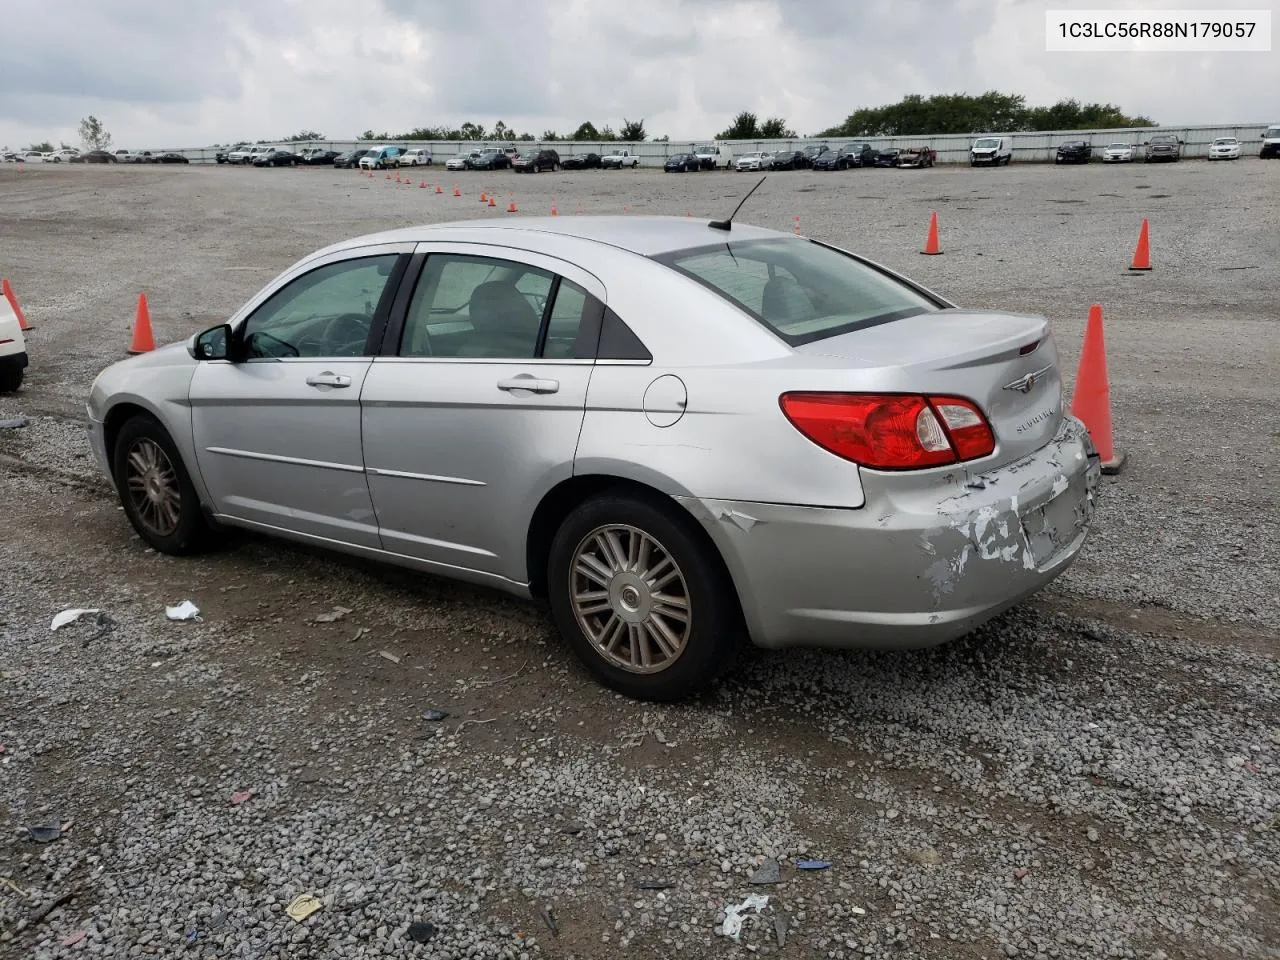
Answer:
(892, 431)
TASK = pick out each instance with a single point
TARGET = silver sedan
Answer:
(679, 436)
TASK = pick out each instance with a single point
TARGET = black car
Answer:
(859, 154)
(814, 151)
(317, 156)
(1074, 151)
(535, 161)
(490, 160)
(277, 158)
(682, 163)
(831, 160)
(349, 160)
(582, 161)
(170, 158)
(887, 158)
(788, 160)
(95, 156)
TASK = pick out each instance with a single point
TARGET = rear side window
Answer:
(802, 291)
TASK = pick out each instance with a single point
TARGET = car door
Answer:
(277, 428)
(473, 412)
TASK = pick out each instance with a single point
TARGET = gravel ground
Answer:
(1095, 774)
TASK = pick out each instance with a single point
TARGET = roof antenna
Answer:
(728, 224)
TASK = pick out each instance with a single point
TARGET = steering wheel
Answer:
(346, 334)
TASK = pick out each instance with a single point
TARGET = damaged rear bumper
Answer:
(927, 559)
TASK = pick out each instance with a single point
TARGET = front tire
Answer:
(11, 379)
(156, 490)
(642, 600)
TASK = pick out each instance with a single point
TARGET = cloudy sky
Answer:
(189, 73)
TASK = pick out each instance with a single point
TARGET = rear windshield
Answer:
(800, 290)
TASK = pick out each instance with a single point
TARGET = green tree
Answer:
(44, 147)
(93, 134)
(632, 131)
(586, 131)
(743, 127)
(775, 128)
(471, 131)
(607, 135)
(303, 136)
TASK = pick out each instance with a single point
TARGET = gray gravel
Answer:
(1095, 774)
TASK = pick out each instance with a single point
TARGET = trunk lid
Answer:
(980, 355)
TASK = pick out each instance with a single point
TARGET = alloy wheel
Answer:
(630, 599)
(153, 487)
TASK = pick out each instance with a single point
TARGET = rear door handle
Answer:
(328, 380)
(526, 382)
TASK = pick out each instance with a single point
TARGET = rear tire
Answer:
(11, 379)
(156, 491)
(652, 590)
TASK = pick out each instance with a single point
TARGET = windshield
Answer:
(1164, 139)
(987, 142)
(1272, 133)
(802, 291)
(1224, 142)
(1118, 146)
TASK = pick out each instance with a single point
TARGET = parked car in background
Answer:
(278, 157)
(812, 152)
(1074, 151)
(788, 159)
(491, 158)
(831, 160)
(911, 493)
(682, 163)
(1270, 143)
(32, 156)
(65, 155)
(348, 159)
(460, 162)
(1163, 147)
(535, 161)
(992, 151)
(1225, 148)
(582, 161)
(714, 156)
(222, 156)
(1118, 153)
(9, 156)
(913, 157)
(618, 159)
(242, 154)
(756, 160)
(317, 156)
(887, 157)
(96, 156)
(860, 153)
(415, 157)
(174, 158)
(380, 158)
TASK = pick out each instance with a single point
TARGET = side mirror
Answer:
(213, 344)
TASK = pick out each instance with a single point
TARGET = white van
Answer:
(13, 348)
(713, 156)
(1270, 142)
(380, 158)
(994, 150)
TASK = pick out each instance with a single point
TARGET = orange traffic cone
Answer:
(438, 189)
(511, 207)
(456, 191)
(491, 202)
(483, 197)
(13, 303)
(931, 247)
(143, 341)
(1142, 255)
(797, 226)
(422, 185)
(554, 211)
(1091, 401)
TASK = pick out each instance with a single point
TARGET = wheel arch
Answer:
(560, 501)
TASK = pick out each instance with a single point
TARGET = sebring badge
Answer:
(1024, 384)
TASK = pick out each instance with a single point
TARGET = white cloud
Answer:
(159, 73)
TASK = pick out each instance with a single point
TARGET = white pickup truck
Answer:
(619, 159)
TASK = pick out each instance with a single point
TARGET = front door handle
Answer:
(327, 379)
(526, 382)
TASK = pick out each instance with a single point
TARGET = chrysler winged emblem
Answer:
(1025, 384)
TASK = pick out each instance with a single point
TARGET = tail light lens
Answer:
(892, 431)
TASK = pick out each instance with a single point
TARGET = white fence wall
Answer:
(951, 148)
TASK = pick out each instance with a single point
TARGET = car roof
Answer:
(647, 236)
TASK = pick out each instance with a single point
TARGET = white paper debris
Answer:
(732, 926)
(337, 614)
(387, 655)
(69, 616)
(186, 610)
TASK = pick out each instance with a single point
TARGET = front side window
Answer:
(801, 291)
(327, 312)
(483, 307)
